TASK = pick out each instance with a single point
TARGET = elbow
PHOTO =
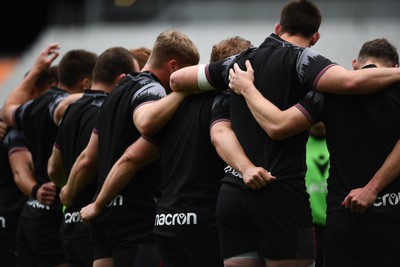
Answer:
(173, 82)
(146, 128)
(51, 172)
(277, 132)
(88, 164)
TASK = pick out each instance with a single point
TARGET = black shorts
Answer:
(274, 221)
(8, 230)
(353, 241)
(198, 251)
(79, 252)
(125, 242)
(39, 242)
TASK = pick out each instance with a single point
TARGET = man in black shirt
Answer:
(191, 171)
(364, 145)
(126, 223)
(14, 162)
(73, 135)
(286, 68)
(38, 237)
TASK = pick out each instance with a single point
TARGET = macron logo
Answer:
(177, 218)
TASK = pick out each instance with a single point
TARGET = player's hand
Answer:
(257, 177)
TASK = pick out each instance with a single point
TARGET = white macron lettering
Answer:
(177, 218)
(391, 199)
(37, 205)
(73, 217)
(118, 200)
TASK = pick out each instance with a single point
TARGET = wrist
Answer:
(35, 189)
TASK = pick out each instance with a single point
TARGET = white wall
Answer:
(340, 38)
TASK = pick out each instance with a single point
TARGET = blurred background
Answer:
(28, 26)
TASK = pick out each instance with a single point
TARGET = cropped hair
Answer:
(174, 45)
(76, 65)
(141, 54)
(229, 47)
(111, 63)
(301, 17)
(47, 78)
(380, 49)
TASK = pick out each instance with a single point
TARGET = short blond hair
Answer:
(173, 45)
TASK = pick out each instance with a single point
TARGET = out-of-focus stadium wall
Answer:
(345, 26)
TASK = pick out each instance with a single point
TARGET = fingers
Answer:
(258, 178)
(248, 66)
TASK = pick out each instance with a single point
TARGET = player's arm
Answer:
(83, 171)
(63, 105)
(232, 153)
(358, 200)
(55, 167)
(22, 168)
(192, 78)
(277, 123)
(136, 156)
(338, 80)
(150, 117)
(22, 92)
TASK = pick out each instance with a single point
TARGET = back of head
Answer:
(141, 54)
(111, 64)
(75, 66)
(300, 17)
(46, 79)
(173, 45)
(379, 50)
(229, 47)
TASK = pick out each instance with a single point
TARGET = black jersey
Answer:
(73, 135)
(361, 132)
(11, 198)
(191, 169)
(36, 119)
(284, 73)
(116, 132)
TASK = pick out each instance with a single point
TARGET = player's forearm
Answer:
(152, 117)
(389, 171)
(228, 147)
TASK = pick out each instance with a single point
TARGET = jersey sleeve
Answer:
(15, 141)
(21, 114)
(312, 106)
(311, 65)
(54, 103)
(220, 108)
(217, 73)
(150, 92)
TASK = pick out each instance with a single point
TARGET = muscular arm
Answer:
(22, 168)
(55, 168)
(358, 200)
(185, 79)
(232, 153)
(83, 171)
(22, 92)
(338, 80)
(276, 123)
(139, 154)
(149, 118)
(62, 106)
